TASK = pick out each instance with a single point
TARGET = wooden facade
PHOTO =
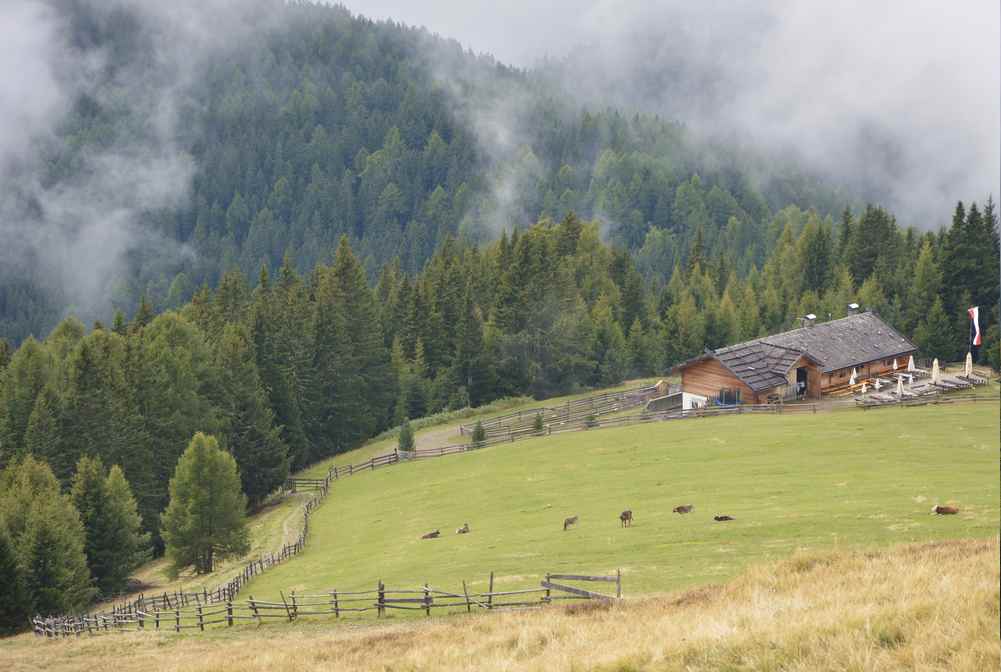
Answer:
(707, 377)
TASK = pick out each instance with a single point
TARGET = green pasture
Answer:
(791, 482)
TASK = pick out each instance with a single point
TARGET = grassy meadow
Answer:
(793, 482)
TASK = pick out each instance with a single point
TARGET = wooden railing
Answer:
(198, 611)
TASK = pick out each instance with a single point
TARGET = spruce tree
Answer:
(115, 542)
(49, 539)
(15, 605)
(205, 519)
(251, 435)
(934, 334)
(405, 441)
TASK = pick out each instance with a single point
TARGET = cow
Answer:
(940, 510)
(684, 508)
(431, 535)
(463, 530)
(626, 518)
(567, 522)
(722, 518)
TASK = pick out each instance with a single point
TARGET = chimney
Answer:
(852, 308)
(809, 320)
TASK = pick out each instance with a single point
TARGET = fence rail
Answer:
(159, 615)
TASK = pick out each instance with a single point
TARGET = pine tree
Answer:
(45, 529)
(15, 605)
(251, 435)
(934, 334)
(115, 542)
(406, 438)
(205, 519)
(30, 370)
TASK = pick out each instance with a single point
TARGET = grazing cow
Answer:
(567, 522)
(722, 518)
(684, 508)
(463, 530)
(626, 518)
(431, 535)
(944, 510)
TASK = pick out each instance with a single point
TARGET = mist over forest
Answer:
(149, 147)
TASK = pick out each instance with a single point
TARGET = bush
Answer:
(538, 424)
(591, 421)
(406, 438)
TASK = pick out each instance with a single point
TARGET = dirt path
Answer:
(445, 435)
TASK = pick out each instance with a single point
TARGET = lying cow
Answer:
(463, 530)
(722, 518)
(940, 510)
(684, 508)
(431, 535)
(567, 522)
(626, 518)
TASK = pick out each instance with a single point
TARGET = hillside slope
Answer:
(861, 478)
(932, 607)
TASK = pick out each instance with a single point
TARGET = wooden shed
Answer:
(797, 364)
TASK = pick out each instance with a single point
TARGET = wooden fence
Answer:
(573, 410)
(194, 611)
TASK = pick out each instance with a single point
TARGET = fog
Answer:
(897, 101)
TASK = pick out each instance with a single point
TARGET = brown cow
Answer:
(626, 518)
(722, 518)
(944, 510)
(431, 535)
(567, 522)
(684, 508)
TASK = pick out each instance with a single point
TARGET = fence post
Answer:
(381, 594)
(288, 612)
(177, 621)
(229, 613)
(427, 599)
(546, 598)
(465, 592)
(201, 619)
(295, 606)
(618, 583)
(253, 606)
(490, 592)
(337, 608)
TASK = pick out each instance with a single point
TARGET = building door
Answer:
(801, 378)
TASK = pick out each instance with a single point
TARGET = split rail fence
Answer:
(194, 611)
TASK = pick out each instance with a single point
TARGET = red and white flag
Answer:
(974, 314)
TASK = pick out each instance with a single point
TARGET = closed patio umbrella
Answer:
(900, 387)
(936, 375)
(910, 365)
(968, 369)
(851, 381)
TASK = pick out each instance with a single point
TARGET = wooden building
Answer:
(797, 364)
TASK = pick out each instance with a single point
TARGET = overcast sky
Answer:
(903, 93)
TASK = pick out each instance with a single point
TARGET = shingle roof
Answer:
(850, 341)
(763, 364)
(760, 365)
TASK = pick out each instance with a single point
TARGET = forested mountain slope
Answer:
(195, 151)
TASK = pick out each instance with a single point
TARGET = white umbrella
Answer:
(851, 381)
(879, 384)
(900, 387)
(968, 369)
(910, 364)
(864, 387)
(894, 363)
(936, 376)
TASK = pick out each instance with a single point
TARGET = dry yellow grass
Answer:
(923, 607)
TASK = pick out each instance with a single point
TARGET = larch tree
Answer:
(206, 518)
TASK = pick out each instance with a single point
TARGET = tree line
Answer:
(297, 368)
